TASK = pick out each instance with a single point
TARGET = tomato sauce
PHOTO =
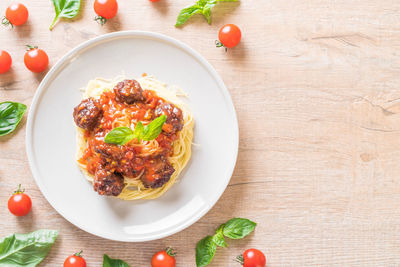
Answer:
(129, 159)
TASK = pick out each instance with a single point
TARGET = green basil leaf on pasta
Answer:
(65, 9)
(154, 128)
(138, 132)
(238, 228)
(108, 262)
(26, 250)
(11, 114)
(122, 135)
(205, 251)
(119, 136)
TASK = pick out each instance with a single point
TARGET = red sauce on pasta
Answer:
(134, 159)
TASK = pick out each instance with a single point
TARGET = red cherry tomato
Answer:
(19, 203)
(5, 61)
(75, 260)
(164, 258)
(36, 60)
(106, 9)
(229, 35)
(17, 14)
(154, 0)
(253, 258)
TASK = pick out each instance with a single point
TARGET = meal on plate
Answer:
(134, 137)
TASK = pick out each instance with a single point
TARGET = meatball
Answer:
(174, 122)
(108, 183)
(87, 114)
(109, 151)
(128, 91)
(158, 173)
(130, 166)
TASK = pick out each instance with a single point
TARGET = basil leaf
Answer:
(154, 128)
(207, 9)
(108, 262)
(186, 14)
(238, 228)
(122, 135)
(10, 115)
(205, 251)
(201, 6)
(218, 238)
(210, 4)
(119, 136)
(65, 9)
(26, 250)
(138, 132)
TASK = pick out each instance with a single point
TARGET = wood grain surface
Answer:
(316, 86)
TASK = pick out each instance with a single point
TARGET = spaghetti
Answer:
(137, 154)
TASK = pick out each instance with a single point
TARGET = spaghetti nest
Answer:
(179, 146)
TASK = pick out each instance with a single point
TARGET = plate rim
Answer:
(53, 72)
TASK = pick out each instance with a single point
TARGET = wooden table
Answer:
(316, 86)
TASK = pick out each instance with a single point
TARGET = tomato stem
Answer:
(170, 251)
(101, 20)
(240, 259)
(6, 22)
(19, 191)
(78, 254)
(219, 44)
(30, 47)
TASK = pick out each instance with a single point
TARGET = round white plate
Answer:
(50, 138)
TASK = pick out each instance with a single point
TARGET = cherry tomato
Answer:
(154, 0)
(164, 258)
(75, 260)
(229, 35)
(19, 203)
(106, 9)
(252, 258)
(16, 14)
(36, 60)
(5, 61)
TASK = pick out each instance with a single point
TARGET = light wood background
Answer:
(316, 86)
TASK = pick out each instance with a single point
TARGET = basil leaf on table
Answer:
(186, 14)
(238, 228)
(10, 115)
(235, 228)
(122, 135)
(200, 7)
(65, 9)
(26, 250)
(108, 262)
(205, 251)
(119, 136)
(218, 238)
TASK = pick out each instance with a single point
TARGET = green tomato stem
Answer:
(78, 254)
(19, 191)
(101, 20)
(170, 251)
(6, 22)
(240, 259)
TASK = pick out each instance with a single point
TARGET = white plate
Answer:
(50, 138)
